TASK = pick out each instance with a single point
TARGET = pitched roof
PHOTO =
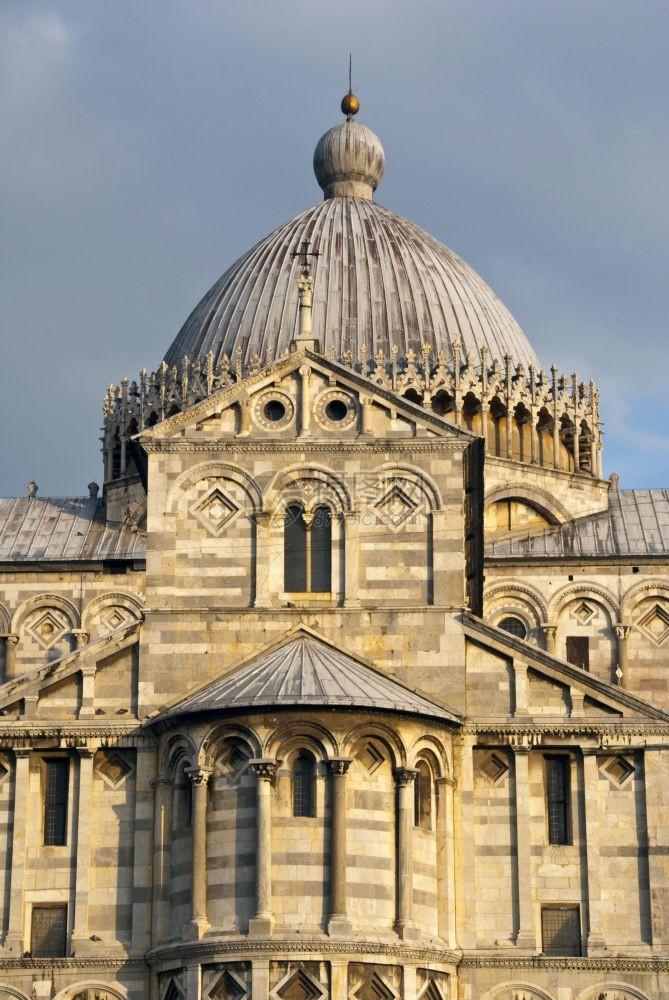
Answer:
(636, 523)
(305, 671)
(64, 528)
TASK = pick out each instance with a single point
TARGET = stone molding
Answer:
(364, 447)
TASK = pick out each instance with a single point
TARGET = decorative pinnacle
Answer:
(350, 105)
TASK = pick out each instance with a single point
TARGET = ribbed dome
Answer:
(349, 161)
(379, 281)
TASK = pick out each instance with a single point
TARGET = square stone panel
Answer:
(395, 507)
(299, 986)
(493, 767)
(619, 769)
(215, 511)
(47, 628)
(656, 624)
(113, 767)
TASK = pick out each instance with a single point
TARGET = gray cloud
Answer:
(148, 145)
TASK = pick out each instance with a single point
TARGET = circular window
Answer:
(336, 409)
(275, 410)
(272, 410)
(514, 626)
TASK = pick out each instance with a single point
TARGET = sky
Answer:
(147, 145)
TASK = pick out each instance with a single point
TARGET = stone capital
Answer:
(338, 765)
(405, 775)
(264, 767)
(199, 775)
(82, 636)
(548, 630)
(622, 631)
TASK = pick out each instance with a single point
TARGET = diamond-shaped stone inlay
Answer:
(656, 623)
(47, 629)
(228, 987)
(620, 769)
(371, 758)
(114, 767)
(4, 770)
(493, 767)
(115, 617)
(374, 988)
(173, 992)
(431, 992)
(216, 511)
(395, 507)
(584, 613)
(299, 986)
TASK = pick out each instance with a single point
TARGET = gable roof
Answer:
(636, 523)
(58, 528)
(350, 377)
(306, 671)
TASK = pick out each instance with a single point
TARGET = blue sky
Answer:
(147, 145)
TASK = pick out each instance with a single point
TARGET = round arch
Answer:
(384, 734)
(214, 470)
(312, 735)
(5, 619)
(130, 602)
(612, 991)
(519, 591)
(11, 993)
(176, 747)
(290, 478)
(429, 748)
(218, 734)
(414, 475)
(108, 991)
(585, 590)
(506, 991)
(542, 501)
(45, 601)
(640, 592)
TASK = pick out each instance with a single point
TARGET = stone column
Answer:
(526, 936)
(365, 413)
(351, 559)
(11, 642)
(591, 781)
(445, 861)
(193, 982)
(623, 633)
(338, 979)
(262, 559)
(199, 923)
(14, 943)
(520, 687)
(484, 425)
(80, 931)
(87, 707)
(656, 795)
(162, 821)
(338, 922)
(440, 556)
(143, 852)
(465, 855)
(404, 925)
(263, 921)
(260, 978)
(305, 405)
(550, 632)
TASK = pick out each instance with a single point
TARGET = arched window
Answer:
(514, 626)
(307, 551)
(303, 786)
(422, 804)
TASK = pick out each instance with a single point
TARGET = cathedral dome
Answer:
(380, 282)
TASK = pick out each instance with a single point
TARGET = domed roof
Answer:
(379, 281)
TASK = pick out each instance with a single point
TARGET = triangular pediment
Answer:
(306, 670)
(267, 401)
(551, 688)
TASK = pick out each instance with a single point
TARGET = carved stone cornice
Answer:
(648, 966)
(625, 730)
(15, 735)
(207, 950)
(363, 446)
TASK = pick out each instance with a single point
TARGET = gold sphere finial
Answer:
(350, 105)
